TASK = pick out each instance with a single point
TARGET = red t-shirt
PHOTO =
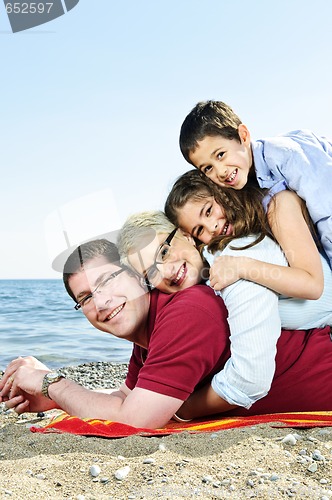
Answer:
(188, 343)
(303, 377)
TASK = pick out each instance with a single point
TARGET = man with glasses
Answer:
(180, 341)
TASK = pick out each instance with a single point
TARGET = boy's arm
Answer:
(304, 276)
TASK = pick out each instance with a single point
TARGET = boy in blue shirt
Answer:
(214, 140)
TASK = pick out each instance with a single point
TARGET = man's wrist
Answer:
(50, 378)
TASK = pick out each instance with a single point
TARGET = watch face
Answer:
(53, 376)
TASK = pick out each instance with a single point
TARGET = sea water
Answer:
(37, 318)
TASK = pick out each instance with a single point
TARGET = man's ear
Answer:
(244, 133)
(188, 237)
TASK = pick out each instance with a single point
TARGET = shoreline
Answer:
(251, 462)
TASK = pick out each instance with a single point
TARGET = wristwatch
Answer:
(50, 378)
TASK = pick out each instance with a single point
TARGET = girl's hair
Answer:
(243, 209)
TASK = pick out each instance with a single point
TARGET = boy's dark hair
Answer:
(85, 252)
(208, 118)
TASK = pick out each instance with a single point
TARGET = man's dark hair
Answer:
(86, 252)
(208, 118)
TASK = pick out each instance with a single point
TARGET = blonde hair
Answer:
(139, 228)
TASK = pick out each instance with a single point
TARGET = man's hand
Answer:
(21, 390)
(225, 271)
(20, 386)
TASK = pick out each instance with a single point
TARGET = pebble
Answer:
(104, 480)
(122, 473)
(289, 439)
(95, 470)
(318, 456)
(207, 479)
(149, 461)
(97, 375)
(253, 473)
(313, 467)
(40, 476)
(225, 482)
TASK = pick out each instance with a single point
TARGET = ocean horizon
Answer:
(38, 318)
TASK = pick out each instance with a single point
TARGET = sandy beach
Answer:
(252, 462)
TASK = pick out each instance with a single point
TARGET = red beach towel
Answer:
(106, 428)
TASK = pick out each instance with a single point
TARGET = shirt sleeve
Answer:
(135, 364)
(255, 327)
(189, 343)
(304, 161)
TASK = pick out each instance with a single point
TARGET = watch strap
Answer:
(50, 378)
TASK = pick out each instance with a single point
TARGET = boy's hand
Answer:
(225, 271)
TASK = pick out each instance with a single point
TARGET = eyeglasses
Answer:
(161, 256)
(104, 285)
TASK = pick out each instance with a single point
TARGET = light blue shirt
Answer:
(302, 162)
(255, 317)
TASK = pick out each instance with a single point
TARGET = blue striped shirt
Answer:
(302, 162)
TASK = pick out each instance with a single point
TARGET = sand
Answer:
(251, 462)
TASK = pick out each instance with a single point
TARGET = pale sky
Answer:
(93, 102)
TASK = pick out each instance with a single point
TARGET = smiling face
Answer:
(172, 267)
(204, 219)
(120, 306)
(225, 161)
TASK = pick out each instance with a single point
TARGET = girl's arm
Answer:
(204, 401)
(304, 276)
